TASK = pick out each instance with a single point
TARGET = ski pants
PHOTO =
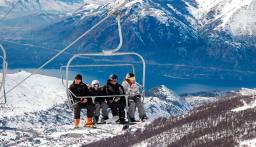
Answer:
(118, 107)
(135, 102)
(77, 109)
(103, 106)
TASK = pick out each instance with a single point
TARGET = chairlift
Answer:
(105, 53)
(4, 71)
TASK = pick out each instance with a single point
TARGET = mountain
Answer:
(228, 122)
(180, 40)
(28, 15)
(165, 102)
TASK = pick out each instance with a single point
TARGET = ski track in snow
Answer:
(245, 106)
(246, 92)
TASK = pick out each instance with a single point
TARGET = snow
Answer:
(196, 101)
(247, 92)
(49, 5)
(130, 4)
(2, 3)
(227, 8)
(37, 93)
(248, 143)
(229, 12)
(37, 110)
(99, 2)
(45, 6)
(245, 106)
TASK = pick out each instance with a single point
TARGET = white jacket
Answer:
(133, 89)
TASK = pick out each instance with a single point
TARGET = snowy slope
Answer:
(209, 125)
(36, 94)
(161, 98)
(196, 101)
(36, 114)
(248, 143)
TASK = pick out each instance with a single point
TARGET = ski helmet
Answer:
(78, 77)
(113, 77)
(129, 75)
(94, 82)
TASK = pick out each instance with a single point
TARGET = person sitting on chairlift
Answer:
(80, 89)
(116, 103)
(100, 102)
(134, 101)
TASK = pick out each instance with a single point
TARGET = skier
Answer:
(100, 102)
(134, 101)
(117, 104)
(78, 88)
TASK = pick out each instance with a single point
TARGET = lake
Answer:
(180, 86)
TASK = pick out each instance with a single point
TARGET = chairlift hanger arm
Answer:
(118, 19)
(3, 51)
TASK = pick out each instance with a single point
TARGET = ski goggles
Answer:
(96, 85)
(114, 80)
(131, 78)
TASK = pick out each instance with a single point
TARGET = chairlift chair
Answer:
(105, 53)
(4, 71)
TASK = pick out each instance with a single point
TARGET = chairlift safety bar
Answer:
(95, 65)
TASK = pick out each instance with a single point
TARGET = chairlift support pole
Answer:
(4, 68)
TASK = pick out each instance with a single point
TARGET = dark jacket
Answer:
(110, 89)
(80, 90)
(98, 92)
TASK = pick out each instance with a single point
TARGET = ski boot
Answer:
(76, 123)
(89, 123)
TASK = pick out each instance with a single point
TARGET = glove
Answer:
(116, 99)
(83, 100)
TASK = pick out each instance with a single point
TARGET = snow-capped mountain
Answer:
(236, 16)
(27, 15)
(161, 98)
(187, 39)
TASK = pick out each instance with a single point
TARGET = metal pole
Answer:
(4, 72)
(95, 65)
(118, 19)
